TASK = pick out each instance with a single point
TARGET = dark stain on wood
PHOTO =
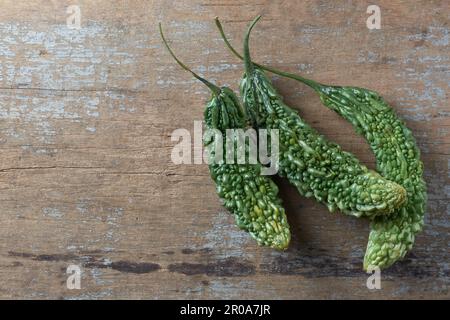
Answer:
(192, 251)
(44, 257)
(124, 266)
(320, 265)
(229, 267)
(92, 262)
(135, 267)
(313, 266)
(20, 254)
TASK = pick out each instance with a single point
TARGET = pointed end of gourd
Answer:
(281, 241)
(368, 264)
(365, 265)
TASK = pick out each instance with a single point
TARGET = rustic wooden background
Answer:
(85, 123)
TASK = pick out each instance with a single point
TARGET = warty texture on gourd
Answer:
(398, 159)
(250, 196)
(317, 167)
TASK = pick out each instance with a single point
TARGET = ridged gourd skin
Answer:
(398, 159)
(251, 197)
(397, 155)
(317, 167)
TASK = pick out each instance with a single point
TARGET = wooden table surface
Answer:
(86, 118)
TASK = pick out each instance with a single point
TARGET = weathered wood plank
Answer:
(85, 123)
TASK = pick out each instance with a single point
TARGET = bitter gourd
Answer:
(317, 167)
(398, 159)
(251, 197)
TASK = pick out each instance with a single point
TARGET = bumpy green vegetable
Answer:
(317, 167)
(398, 159)
(250, 196)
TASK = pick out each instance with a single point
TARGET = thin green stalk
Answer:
(249, 68)
(214, 89)
(313, 84)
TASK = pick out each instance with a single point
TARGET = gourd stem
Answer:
(214, 89)
(313, 84)
(247, 59)
(225, 39)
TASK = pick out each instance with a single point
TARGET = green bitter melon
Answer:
(317, 167)
(249, 195)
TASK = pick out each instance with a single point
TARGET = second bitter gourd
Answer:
(317, 167)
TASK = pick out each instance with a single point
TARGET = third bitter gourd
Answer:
(398, 159)
(317, 167)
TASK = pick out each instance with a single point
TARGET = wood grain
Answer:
(86, 118)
